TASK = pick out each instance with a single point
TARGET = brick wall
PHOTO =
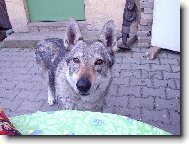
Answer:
(145, 23)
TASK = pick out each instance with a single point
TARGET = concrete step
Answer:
(29, 40)
(52, 26)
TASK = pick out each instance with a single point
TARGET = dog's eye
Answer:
(99, 62)
(76, 60)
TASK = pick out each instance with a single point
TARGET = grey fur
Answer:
(65, 72)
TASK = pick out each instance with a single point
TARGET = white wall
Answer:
(166, 24)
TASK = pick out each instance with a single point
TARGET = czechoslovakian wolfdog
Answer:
(78, 72)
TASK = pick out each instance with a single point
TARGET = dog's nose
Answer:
(83, 85)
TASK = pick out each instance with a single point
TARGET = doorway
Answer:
(55, 10)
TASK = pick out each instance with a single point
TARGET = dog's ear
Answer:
(108, 35)
(72, 35)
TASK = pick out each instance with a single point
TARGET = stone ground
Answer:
(148, 91)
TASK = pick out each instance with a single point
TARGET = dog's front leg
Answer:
(51, 99)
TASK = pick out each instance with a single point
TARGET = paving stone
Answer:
(109, 109)
(17, 58)
(154, 61)
(8, 85)
(3, 59)
(153, 92)
(6, 70)
(112, 90)
(172, 94)
(132, 60)
(116, 67)
(4, 50)
(46, 107)
(6, 54)
(169, 75)
(119, 81)
(23, 112)
(115, 110)
(148, 83)
(123, 54)
(118, 101)
(173, 129)
(178, 60)
(126, 66)
(29, 54)
(24, 85)
(175, 117)
(38, 86)
(7, 77)
(177, 83)
(12, 50)
(130, 73)
(169, 61)
(5, 64)
(143, 50)
(116, 73)
(135, 82)
(123, 90)
(30, 58)
(140, 67)
(164, 83)
(19, 64)
(22, 77)
(173, 55)
(162, 103)
(137, 55)
(175, 68)
(121, 66)
(135, 102)
(119, 60)
(30, 106)
(32, 71)
(131, 113)
(18, 70)
(42, 95)
(9, 112)
(36, 78)
(162, 54)
(154, 115)
(27, 95)
(155, 74)
(161, 67)
(10, 94)
(10, 104)
(32, 64)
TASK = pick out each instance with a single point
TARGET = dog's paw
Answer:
(51, 101)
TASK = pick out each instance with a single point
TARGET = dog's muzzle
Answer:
(83, 85)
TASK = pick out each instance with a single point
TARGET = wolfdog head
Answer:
(89, 62)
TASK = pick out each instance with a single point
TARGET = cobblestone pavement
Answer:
(144, 90)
